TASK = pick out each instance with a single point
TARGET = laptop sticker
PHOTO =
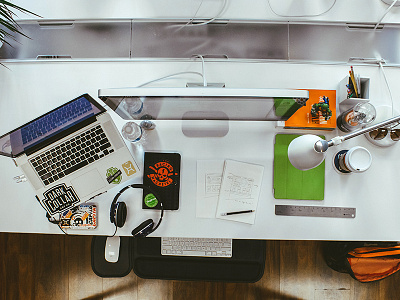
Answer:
(83, 216)
(59, 198)
(162, 173)
(150, 200)
(114, 175)
(129, 168)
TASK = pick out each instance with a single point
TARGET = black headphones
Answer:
(118, 213)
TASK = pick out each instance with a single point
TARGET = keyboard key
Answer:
(206, 247)
(64, 158)
(105, 146)
(76, 167)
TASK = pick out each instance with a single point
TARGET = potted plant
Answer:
(8, 26)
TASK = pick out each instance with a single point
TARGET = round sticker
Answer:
(114, 175)
(150, 200)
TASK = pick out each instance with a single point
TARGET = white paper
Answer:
(209, 178)
(240, 190)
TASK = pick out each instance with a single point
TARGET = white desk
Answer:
(32, 88)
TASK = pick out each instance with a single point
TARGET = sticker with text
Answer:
(150, 200)
(114, 175)
(162, 174)
(59, 198)
(83, 216)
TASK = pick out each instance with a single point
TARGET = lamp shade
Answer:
(302, 154)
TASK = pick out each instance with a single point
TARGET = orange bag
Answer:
(374, 263)
(364, 261)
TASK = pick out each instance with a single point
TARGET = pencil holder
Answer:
(343, 98)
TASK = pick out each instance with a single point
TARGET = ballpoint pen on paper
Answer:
(237, 212)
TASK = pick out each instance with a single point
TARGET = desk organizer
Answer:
(344, 102)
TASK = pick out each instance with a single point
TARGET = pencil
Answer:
(353, 80)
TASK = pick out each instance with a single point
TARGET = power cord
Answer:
(202, 67)
(56, 222)
(387, 84)
(190, 23)
(385, 13)
(202, 74)
(169, 76)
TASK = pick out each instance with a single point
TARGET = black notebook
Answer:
(162, 174)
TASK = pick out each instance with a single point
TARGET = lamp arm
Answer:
(339, 139)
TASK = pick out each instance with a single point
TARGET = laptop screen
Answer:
(50, 126)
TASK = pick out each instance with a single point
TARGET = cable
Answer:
(202, 67)
(59, 226)
(195, 14)
(115, 231)
(168, 76)
(279, 15)
(387, 84)
(384, 15)
(212, 19)
(190, 23)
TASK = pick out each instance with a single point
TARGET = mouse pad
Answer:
(162, 174)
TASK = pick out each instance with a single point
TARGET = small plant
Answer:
(8, 26)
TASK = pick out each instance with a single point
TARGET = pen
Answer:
(237, 212)
(351, 72)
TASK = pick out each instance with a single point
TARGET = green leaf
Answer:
(6, 4)
(7, 20)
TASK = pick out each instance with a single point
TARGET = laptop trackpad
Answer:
(88, 183)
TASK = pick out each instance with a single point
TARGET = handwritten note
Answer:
(240, 190)
(209, 179)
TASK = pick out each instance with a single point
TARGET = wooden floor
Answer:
(35, 266)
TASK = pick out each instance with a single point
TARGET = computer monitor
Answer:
(204, 103)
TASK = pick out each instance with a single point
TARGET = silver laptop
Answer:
(71, 154)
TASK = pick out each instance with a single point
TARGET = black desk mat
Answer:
(246, 264)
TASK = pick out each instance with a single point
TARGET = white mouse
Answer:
(112, 249)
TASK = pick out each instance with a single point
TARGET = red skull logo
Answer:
(162, 174)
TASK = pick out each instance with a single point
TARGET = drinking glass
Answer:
(133, 132)
(357, 116)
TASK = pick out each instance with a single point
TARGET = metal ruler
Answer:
(315, 211)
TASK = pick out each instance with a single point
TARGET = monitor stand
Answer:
(205, 124)
(205, 128)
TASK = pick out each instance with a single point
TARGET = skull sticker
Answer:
(162, 174)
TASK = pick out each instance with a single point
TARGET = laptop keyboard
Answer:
(55, 119)
(72, 155)
(208, 247)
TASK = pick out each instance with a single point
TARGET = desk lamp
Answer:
(308, 151)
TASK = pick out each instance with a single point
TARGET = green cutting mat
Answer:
(291, 183)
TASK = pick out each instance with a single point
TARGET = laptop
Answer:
(71, 154)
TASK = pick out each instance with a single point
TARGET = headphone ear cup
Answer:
(120, 214)
(143, 229)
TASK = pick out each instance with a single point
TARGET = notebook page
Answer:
(240, 190)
